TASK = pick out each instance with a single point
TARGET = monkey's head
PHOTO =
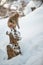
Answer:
(13, 21)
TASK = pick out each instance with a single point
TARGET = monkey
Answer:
(13, 40)
(11, 52)
(13, 21)
(15, 45)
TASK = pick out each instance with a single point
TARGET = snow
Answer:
(3, 1)
(31, 28)
(37, 3)
(3, 56)
(32, 4)
(27, 9)
(4, 40)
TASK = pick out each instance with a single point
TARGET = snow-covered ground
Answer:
(32, 4)
(31, 28)
(3, 56)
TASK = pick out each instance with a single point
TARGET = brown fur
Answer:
(11, 52)
(13, 40)
(13, 19)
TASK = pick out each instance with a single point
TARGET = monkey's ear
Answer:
(7, 33)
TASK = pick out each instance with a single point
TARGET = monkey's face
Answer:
(12, 25)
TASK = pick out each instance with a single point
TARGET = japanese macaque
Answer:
(12, 52)
(13, 40)
(13, 21)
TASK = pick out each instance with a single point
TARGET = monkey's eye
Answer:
(10, 20)
(15, 45)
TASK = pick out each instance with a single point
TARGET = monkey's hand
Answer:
(7, 33)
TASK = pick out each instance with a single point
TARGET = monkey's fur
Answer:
(13, 19)
(13, 40)
(11, 52)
